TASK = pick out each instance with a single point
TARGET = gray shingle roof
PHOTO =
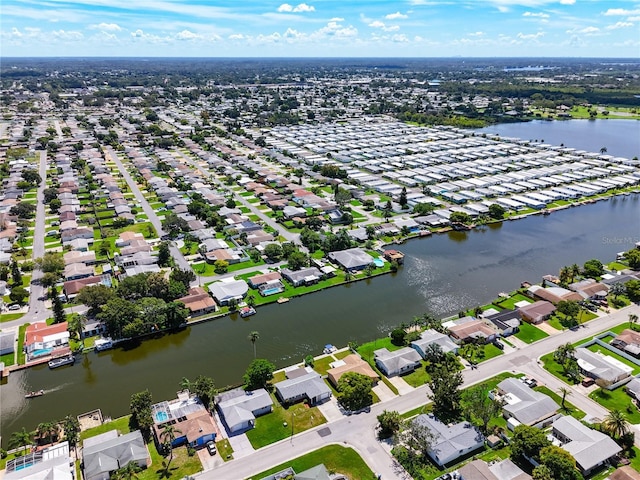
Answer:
(396, 360)
(450, 440)
(114, 453)
(351, 258)
(525, 404)
(310, 385)
(241, 409)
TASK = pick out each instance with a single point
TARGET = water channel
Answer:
(442, 275)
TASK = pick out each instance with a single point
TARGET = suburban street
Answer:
(358, 431)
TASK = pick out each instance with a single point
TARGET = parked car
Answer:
(588, 381)
(211, 448)
(530, 382)
(14, 307)
(498, 344)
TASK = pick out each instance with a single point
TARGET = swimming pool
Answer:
(41, 352)
(23, 466)
(378, 262)
(161, 416)
(271, 291)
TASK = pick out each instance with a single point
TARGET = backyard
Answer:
(529, 333)
(617, 400)
(336, 458)
(284, 422)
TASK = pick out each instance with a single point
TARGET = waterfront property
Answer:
(452, 441)
(590, 448)
(537, 312)
(302, 384)
(523, 405)
(351, 363)
(104, 454)
(469, 329)
(239, 409)
(51, 462)
(431, 337)
(352, 259)
(229, 290)
(397, 362)
(42, 340)
(198, 301)
(189, 416)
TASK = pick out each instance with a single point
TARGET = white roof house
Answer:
(524, 404)
(240, 412)
(602, 367)
(432, 337)
(223, 292)
(589, 447)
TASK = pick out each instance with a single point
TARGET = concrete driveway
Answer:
(241, 446)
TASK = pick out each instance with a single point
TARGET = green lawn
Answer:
(512, 300)
(529, 333)
(342, 354)
(554, 368)
(8, 359)
(568, 406)
(7, 317)
(414, 412)
(366, 350)
(181, 466)
(336, 458)
(617, 400)
(225, 450)
(322, 365)
(271, 427)
(121, 424)
(20, 349)
(418, 377)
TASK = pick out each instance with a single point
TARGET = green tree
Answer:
(128, 472)
(95, 297)
(205, 388)
(168, 434)
(460, 217)
(569, 308)
(633, 318)
(220, 266)
(560, 463)
(273, 251)
(479, 408)
(390, 423)
(633, 258)
(445, 393)
(403, 198)
(253, 337)
(18, 295)
(258, 374)
(616, 424)
(51, 262)
(564, 392)
(16, 274)
(183, 276)
(355, 391)
(58, 308)
(116, 314)
(48, 432)
(297, 260)
(497, 211)
(542, 472)
(141, 415)
(527, 442)
(23, 210)
(21, 438)
(416, 436)
(423, 208)
(593, 268)
(71, 428)
(633, 290)
(164, 254)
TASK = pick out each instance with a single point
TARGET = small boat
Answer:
(103, 344)
(329, 349)
(247, 311)
(546, 212)
(62, 361)
(35, 394)
(282, 300)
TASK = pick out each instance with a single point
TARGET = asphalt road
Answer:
(358, 431)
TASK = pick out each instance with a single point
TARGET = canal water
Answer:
(442, 275)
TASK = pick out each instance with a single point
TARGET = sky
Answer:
(320, 28)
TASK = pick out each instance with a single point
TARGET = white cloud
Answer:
(301, 7)
(236, 36)
(634, 19)
(106, 27)
(67, 35)
(536, 15)
(585, 30)
(619, 12)
(337, 19)
(396, 16)
(530, 36)
(400, 38)
(618, 25)
(187, 35)
(382, 26)
(567, 2)
(476, 34)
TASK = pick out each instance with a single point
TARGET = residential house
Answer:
(76, 271)
(432, 337)
(42, 339)
(553, 294)
(319, 472)
(398, 362)
(481, 470)
(351, 259)
(633, 388)
(507, 322)
(256, 237)
(302, 384)
(472, 330)
(104, 454)
(7, 342)
(590, 289)
(135, 259)
(198, 301)
(590, 448)
(304, 276)
(125, 238)
(189, 416)
(628, 341)
(227, 290)
(604, 369)
(264, 278)
(537, 312)
(523, 405)
(452, 441)
(351, 363)
(72, 287)
(239, 409)
(625, 473)
(82, 232)
(49, 463)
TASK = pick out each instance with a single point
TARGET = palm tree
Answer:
(21, 438)
(253, 338)
(575, 271)
(603, 150)
(168, 436)
(616, 423)
(565, 392)
(185, 384)
(128, 472)
(633, 318)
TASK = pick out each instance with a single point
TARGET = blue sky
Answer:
(329, 28)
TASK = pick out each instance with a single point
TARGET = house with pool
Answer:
(188, 415)
(42, 340)
(353, 259)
